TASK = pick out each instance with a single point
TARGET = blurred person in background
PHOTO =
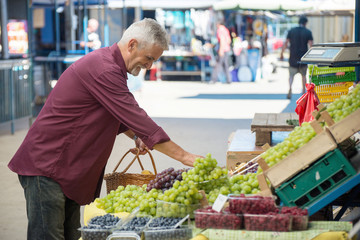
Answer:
(223, 51)
(93, 41)
(61, 162)
(300, 39)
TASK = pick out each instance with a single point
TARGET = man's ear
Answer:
(132, 44)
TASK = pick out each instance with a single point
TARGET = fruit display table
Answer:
(263, 124)
(315, 231)
(183, 63)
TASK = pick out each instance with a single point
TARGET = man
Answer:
(93, 38)
(222, 63)
(62, 159)
(300, 38)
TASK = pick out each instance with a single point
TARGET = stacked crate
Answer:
(331, 82)
(318, 167)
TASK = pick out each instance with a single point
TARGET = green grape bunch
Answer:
(126, 199)
(206, 174)
(296, 139)
(344, 105)
(244, 184)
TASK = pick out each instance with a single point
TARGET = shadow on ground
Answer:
(242, 96)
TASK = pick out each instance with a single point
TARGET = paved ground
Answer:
(198, 116)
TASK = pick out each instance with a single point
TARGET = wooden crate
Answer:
(299, 160)
(347, 127)
(241, 148)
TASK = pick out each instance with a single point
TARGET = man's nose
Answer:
(148, 65)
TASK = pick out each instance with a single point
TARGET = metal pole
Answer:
(124, 17)
(106, 25)
(357, 34)
(85, 24)
(12, 97)
(57, 38)
(31, 62)
(4, 35)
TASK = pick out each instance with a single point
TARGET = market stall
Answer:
(273, 194)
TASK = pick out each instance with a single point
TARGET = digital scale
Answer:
(333, 54)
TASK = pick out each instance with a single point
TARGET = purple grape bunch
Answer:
(251, 170)
(165, 179)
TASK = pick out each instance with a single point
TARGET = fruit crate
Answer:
(330, 92)
(316, 181)
(315, 70)
(333, 78)
(346, 127)
(301, 159)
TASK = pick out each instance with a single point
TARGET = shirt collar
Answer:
(119, 60)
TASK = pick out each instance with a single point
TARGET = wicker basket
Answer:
(115, 179)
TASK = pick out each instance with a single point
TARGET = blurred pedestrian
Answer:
(300, 38)
(93, 39)
(61, 162)
(223, 53)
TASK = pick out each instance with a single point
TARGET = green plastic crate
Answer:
(317, 180)
(331, 78)
(328, 70)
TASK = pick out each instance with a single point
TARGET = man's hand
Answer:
(141, 146)
(190, 159)
(281, 56)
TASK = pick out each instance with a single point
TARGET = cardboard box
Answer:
(301, 159)
(346, 127)
(241, 148)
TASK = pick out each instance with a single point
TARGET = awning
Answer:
(336, 5)
(263, 5)
(165, 4)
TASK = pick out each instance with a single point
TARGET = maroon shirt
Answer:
(72, 138)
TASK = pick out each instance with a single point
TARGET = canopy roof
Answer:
(166, 4)
(145, 4)
(263, 5)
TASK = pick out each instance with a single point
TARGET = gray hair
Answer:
(146, 32)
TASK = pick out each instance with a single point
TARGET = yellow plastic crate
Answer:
(329, 92)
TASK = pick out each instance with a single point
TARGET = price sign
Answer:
(219, 202)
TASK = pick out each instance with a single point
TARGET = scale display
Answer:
(332, 53)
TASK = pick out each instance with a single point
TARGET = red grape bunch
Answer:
(165, 179)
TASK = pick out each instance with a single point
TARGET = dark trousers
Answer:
(51, 215)
(221, 67)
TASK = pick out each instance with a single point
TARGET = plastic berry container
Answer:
(300, 217)
(123, 236)
(268, 222)
(208, 218)
(94, 233)
(164, 222)
(251, 204)
(134, 224)
(300, 223)
(182, 233)
(171, 209)
(104, 225)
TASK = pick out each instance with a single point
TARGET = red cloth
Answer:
(306, 104)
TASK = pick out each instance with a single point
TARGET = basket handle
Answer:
(136, 157)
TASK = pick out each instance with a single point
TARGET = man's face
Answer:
(143, 58)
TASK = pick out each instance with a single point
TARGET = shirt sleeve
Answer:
(122, 129)
(111, 90)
